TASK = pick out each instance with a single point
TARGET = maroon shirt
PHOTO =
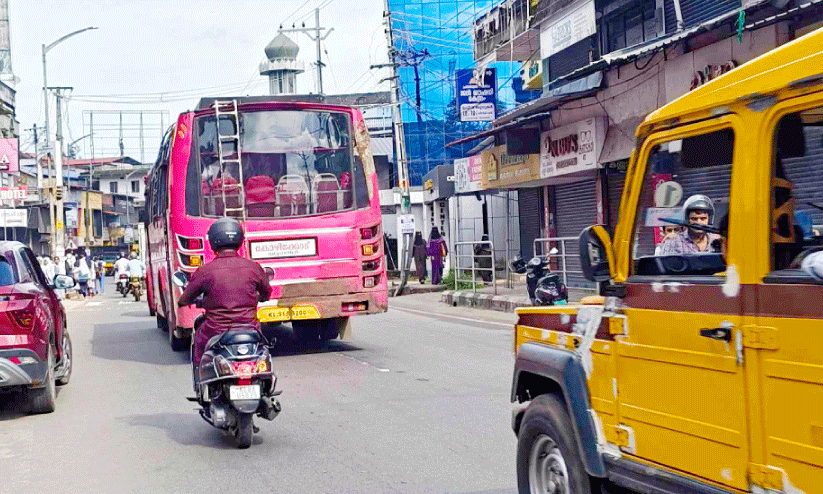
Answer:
(231, 287)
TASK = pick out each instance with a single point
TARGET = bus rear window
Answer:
(294, 163)
(7, 275)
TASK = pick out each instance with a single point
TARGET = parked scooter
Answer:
(122, 283)
(544, 287)
(236, 380)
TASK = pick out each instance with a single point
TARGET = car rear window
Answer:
(7, 276)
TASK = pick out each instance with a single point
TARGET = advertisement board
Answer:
(476, 94)
(571, 148)
(468, 174)
(8, 155)
(10, 218)
(502, 169)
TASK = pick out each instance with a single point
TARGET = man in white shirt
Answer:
(136, 266)
(121, 266)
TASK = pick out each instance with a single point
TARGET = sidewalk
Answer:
(413, 287)
(506, 299)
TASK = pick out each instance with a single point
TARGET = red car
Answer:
(35, 349)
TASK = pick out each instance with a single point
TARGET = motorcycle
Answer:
(236, 380)
(544, 287)
(135, 287)
(122, 284)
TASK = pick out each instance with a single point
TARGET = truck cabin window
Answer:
(682, 210)
(797, 198)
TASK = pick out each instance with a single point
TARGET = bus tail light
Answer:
(355, 306)
(369, 249)
(367, 233)
(191, 260)
(187, 243)
(370, 281)
(371, 265)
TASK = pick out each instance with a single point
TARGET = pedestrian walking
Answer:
(82, 272)
(437, 252)
(419, 253)
(101, 275)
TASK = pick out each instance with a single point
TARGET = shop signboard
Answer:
(575, 25)
(91, 200)
(8, 194)
(571, 148)
(468, 174)
(8, 155)
(501, 169)
(476, 94)
(10, 218)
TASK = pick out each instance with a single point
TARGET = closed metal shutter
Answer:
(530, 209)
(697, 11)
(572, 58)
(616, 179)
(806, 174)
(575, 209)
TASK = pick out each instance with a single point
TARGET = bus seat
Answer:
(345, 186)
(292, 195)
(260, 196)
(326, 190)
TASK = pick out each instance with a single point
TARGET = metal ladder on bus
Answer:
(228, 110)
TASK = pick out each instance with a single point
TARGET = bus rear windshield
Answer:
(294, 163)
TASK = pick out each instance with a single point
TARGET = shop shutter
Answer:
(806, 175)
(575, 209)
(697, 11)
(714, 182)
(530, 208)
(616, 179)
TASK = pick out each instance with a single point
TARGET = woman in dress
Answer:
(437, 251)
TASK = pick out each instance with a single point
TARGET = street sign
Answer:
(405, 224)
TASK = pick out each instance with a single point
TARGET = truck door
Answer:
(787, 337)
(681, 386)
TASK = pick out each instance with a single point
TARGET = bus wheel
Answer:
(152, 312)
(178, 344)
(162, 324)
(331, 328)
(306, 332)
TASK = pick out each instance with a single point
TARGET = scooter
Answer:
(122, 283)
(236, 380)
(135, 287)
(544, 287)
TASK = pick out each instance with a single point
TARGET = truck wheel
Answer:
(547, 454)
(41, 400)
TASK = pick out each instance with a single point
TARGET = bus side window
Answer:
(796, 194)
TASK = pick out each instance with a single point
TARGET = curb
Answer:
(500, 303)
(412, 290)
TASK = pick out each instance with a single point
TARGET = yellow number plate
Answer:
(277, 314)
(305, 312)
(273, 314)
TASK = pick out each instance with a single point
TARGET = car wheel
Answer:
(41, 400)
(548, 459)
(66, 366)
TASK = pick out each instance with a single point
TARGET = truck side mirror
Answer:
(596, 254)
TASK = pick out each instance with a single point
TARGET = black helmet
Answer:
(226, 233)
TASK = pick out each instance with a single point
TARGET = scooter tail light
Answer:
(262, 364)
(222, 366)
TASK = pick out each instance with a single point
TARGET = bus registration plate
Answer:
(278, 314)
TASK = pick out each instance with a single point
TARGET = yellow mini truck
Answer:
(701, 368)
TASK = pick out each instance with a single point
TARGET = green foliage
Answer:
(464, 283)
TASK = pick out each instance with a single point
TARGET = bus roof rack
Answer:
(355, 99)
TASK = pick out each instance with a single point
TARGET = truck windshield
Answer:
(294, 163)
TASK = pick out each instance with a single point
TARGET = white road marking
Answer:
(363, 362)
(93, 304)
(429, 314)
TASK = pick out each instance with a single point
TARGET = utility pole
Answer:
(37, 161)
(59, 227)
(404, 255)
(317, 38)
(413, 58)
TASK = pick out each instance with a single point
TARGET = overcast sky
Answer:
(206, 47)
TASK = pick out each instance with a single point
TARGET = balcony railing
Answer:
(501, 24)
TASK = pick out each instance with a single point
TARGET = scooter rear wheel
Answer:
(245, 430)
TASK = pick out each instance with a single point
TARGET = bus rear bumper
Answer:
(351, 304)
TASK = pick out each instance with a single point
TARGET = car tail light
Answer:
(367, 233)
(371, 265)
(20, 308)
(187, 243)
(355, 306)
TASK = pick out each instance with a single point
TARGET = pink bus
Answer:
(300, 177)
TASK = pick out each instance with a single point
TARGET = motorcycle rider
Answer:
(135, 266)
(231, 286)
(121, 266)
